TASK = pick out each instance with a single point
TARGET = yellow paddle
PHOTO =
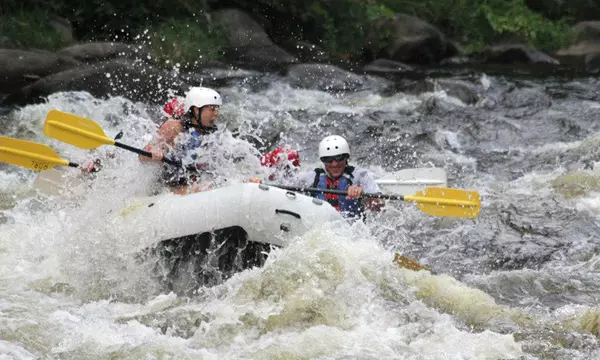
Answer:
(433, 201)
(29, 154)
(447, 202)
(84, 133)
(404, 261)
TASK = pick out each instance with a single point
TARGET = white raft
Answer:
(203, 238)
(267, 214)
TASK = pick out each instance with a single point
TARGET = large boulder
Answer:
(407, 39)
(465, 91)
(525, 102)
(20, 67)
(515, 54)
(587, 30)
(121, 77)
(99, 51)
(385, 66)
(249, 44)
(305, 51)
(269, 57)
(586, 52)
(592, 62)
(324, 77)
(580, 49)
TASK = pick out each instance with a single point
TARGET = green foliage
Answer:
(29, 30)
(513, 17)
(186, 42)
(100, 19)
(477, 23)
(575, 10)
(338, 26)
(375, 11)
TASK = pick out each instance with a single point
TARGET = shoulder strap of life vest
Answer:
(318, 172)
(349, 170)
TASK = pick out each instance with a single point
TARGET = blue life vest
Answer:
(347, 207)
(192, 143)
(177, 175)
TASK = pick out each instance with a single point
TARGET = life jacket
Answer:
(194, 141)
(175, 175)
(347, 207)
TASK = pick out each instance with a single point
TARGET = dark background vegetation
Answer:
(175, 28)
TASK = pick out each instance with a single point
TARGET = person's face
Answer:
(209, 114)
(335, 165)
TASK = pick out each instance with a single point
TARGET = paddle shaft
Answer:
(337, 192)
(145, 153)
(434, 203)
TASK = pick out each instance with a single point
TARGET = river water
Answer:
(520, 282)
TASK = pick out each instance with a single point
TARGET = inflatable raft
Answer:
(201, 238)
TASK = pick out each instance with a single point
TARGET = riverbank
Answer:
(339, 28)
(171, 52)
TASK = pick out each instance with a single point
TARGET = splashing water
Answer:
(520, 282)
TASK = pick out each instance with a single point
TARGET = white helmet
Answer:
(333, 145)
(201, 96)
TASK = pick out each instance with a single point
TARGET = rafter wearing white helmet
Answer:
(201, 111)
(337, 174)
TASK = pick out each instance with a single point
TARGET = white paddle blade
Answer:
(411, 181)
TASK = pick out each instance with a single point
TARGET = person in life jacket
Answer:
(283, 162)
(201, 107)
(334, 153)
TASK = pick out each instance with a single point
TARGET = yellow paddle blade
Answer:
(447, 202)
(75, 130)
(29, 154)
(405, 262)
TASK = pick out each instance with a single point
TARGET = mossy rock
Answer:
(576, 184)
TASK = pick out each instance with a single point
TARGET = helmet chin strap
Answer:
(196, 123)
(203, 129)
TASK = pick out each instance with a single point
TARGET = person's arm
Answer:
(366, 182)
(164, 139)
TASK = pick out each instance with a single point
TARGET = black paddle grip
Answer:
(145, 153)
